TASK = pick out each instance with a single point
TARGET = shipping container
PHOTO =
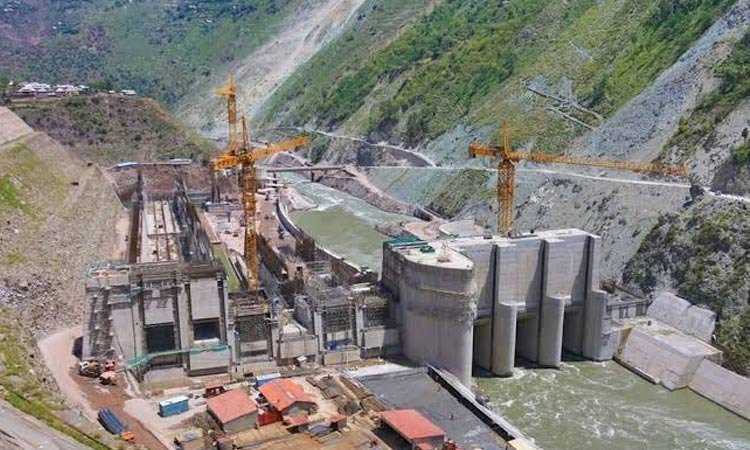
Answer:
(173, 406)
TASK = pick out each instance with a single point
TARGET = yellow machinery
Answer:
(240, 154)
(506, 171)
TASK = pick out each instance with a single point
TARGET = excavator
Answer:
(507, 158)
(240, 155)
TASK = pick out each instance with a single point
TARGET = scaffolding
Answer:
(142, 360)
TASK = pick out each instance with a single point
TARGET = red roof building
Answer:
(288, 397)
(414, 428)
(234, 410)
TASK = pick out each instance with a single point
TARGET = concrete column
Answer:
(504, 339)
(318, 330)
(359, 325)
(595, 313)
(274, 346)
(185, 326)
(551, 331)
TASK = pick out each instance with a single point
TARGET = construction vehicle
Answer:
(104, 370)
(91, 368)
(108, 378)
(239, 154)
(506, 171)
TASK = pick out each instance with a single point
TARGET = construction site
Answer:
(236, 328)
(263, 301)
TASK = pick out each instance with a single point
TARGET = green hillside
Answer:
(469, 61)
(161, 49)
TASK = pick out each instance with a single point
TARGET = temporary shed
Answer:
(415, 428)
(287, 397)
(234, 410)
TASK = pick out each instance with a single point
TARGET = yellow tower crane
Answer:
(506, 171)
(239, 154)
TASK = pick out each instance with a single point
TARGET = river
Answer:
(583, 406)
(596, 406)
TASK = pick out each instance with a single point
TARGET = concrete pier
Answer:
(504, 339)
(551, 323)
(438, 311)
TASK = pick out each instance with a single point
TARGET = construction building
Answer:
(167, 306)
(485, 300)
(234, 410)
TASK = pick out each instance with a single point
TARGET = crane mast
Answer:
(239, 154)
(506, 171)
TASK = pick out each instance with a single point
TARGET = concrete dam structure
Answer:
(486, 300)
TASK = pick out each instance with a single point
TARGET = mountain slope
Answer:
(258, 74)
(165, 50)
(471, 62)
(110, 129)
(45, 191)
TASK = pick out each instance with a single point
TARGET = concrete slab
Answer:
(11, 126)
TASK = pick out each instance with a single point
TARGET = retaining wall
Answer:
(724, 387)
(683, 315)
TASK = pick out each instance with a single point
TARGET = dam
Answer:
(614, 408)
(483, 300)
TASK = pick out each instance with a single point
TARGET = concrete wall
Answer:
(683, 315)
(293, 348)
(728, 389)
(336, 357)
(208, 362)
(668, 358)
(158, 307)
(380, 338)
(204, 299)
(128, 328)
(520, 272)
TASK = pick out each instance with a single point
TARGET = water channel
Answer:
(583, 406)
(342, 223)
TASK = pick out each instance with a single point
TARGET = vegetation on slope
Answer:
(159, 48)
(25, 389)
(734, 87)
(110, 129)
(703, 253)
(468, 60)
